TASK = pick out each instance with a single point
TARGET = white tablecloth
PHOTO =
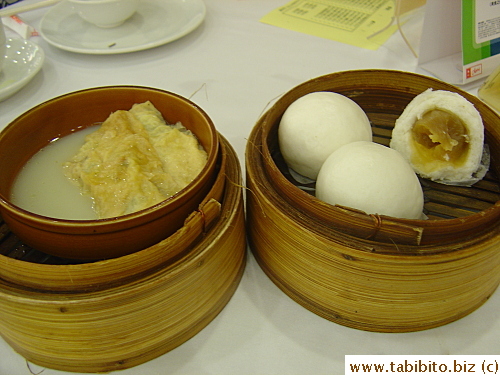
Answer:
(241, 66)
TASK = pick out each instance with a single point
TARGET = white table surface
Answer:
(242, 65)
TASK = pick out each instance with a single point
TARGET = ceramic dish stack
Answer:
(374, 272)
(105, 315)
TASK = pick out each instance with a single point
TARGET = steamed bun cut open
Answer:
(441, 134)
(317, 124)
(372, 178)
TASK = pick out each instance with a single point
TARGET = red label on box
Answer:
(474, 71)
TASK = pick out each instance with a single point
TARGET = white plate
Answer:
(23, 60)
(155, 23)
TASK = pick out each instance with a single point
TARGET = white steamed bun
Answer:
(441, 134)
(372, 178)
(317, 124)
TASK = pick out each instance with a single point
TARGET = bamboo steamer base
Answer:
(125, 325)
(356, 281)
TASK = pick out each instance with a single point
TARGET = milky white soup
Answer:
(42, 188)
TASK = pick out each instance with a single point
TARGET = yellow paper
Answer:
(362, 23)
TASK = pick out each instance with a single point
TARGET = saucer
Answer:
(155, 23)
(23, 60)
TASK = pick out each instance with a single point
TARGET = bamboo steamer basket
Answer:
(374, 272)
(155, 307)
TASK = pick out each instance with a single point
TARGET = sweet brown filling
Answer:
(440, 136)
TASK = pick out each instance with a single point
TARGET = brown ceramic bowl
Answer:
(104, 238)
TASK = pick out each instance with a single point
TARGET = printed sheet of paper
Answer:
(362, 23)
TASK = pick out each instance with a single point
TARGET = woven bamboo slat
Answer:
(340, 267)
(127, 324)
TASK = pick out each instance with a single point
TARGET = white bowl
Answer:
(105, 13)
